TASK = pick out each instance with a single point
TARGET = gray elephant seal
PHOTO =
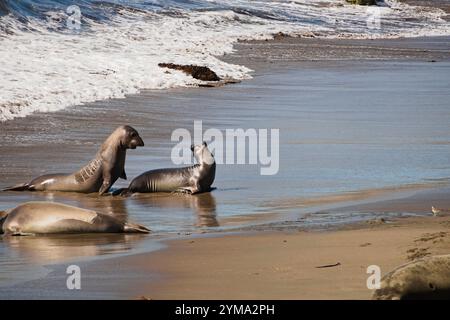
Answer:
(194, 179)
(42, 217)
(427, 278)
(98, 175)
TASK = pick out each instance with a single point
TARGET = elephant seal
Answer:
(427, 278)
(194, 179)
(98, 175)
(41, 217)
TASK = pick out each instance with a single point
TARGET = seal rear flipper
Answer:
(135, 228)
(19, 187)
(9, 233)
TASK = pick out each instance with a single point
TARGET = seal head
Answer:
(130, 138)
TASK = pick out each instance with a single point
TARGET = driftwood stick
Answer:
(329, 265)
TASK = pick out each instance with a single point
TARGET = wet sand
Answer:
(441, 4)
(283, 265)
(273, 261)
(360, 121)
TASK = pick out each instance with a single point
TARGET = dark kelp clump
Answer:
(197, 72)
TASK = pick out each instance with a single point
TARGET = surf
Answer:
(47, 67)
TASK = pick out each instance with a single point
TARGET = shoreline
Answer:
(277, 260)
(322, 52)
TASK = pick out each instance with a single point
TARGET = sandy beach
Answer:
(284, 264)
(277, 260)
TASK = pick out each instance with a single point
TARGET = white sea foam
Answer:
(47, 71)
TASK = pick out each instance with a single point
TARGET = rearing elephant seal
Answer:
(427, 278)
(194, 179)
(42, 217)
(98, 175)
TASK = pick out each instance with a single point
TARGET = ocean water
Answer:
(54, 55)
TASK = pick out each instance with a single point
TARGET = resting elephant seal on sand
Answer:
(98, 175)
(194, 179)
(41, 217)
(427, 278)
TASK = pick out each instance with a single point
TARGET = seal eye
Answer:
(133, 135)
(192, 147)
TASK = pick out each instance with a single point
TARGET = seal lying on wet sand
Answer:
(427, 278)
(98, 175)
(42, 217)
(194, 179)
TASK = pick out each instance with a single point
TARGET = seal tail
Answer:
(19, 187)
(135, 228)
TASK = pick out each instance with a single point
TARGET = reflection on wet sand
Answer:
(114, 206)
(56, 248)
(203, 204)
(47, 249)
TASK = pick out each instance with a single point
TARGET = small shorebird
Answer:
(437, 211)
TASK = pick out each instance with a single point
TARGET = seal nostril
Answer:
(432, 287)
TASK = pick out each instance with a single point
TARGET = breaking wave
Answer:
(59, 53)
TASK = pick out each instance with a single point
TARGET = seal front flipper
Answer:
(107, 183)
(135, 228)
(188, 190)
(105, 187)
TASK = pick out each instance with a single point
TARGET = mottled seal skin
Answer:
(98, 175)
(43, 217)
(194, 179)
(427, 278)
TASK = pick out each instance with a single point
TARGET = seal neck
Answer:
(114, 145)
